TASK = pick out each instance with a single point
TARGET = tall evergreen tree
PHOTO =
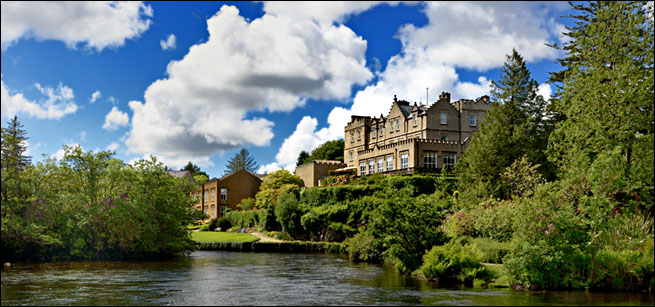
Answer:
(607, 93)
(515, 126)
(241, 160)
(194, 169)
(14, 160)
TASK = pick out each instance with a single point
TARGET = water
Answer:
(233, 278)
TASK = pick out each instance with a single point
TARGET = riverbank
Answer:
(267, 246)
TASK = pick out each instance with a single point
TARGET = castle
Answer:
(413, 136)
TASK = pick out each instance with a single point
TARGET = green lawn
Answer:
(215, 236)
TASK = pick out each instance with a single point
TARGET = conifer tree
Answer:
(241, 160)
(14, 160)
(607, 93)
(516, 125)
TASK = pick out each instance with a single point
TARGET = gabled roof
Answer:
(180, 174)
(237, 172)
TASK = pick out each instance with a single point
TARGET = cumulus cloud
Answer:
(169, 43)
(471, 35)
(96, 25)
(59, 102)
(321, 11)
(59, 154)
(545, 91)
(95, 96)
(113, 146)
(115, 119)
(274, 63)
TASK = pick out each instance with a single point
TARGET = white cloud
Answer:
(168, 43)
(324, 12)
(472, 35)
(83, 136)
(95, 96)
(274, 63)
(268, 168)
(59, 102)
(115, 119)
(97, 25)
(545, 91)
(59, 154)
(112, 100)
(113, 146)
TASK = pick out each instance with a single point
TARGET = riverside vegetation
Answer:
(560, 192)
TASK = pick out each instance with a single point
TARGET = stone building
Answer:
(219, 194)
(414, 136)
(312, 172)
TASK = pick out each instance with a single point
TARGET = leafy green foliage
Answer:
(288, 211)
(330, 150)
(245, 218)
(453, 262)
(241, 161)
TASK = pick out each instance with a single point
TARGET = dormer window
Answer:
(415, 121)
(398, 124)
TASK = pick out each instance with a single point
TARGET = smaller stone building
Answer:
(312, 172)
(219, 194)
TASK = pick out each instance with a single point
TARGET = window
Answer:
(223, 210)
(397, 124)
(359, 134)
(213, 195)
(472, 118)
(380, 165)
(213, 212)
(415, 123)
(404, 158)
(206, 195)
(207, 210)
(223, 194)
(371, 166)
(391, 128)
(373, 133)
(351, 156)
(443, 118)
(352, 136)
(362, 168)
(430, 160)
(448, 161)
(381, 132)
(389, 164)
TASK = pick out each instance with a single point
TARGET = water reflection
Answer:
(232, 278)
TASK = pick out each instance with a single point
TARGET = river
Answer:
(238, 278)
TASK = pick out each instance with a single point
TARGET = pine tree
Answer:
(514, 126)
(607, 92)
(241, 160)
(14, 160)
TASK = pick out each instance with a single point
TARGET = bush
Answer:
(244, 219)
(492, 251)
(288, 212)
(224, 223)
(364, 247)
(493, 219)
(453, 263)
(213, 223)
(204, 227)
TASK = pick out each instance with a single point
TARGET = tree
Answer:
(14, 160)
(241, 160)
(194, 169)
(516, 125)
(302, 157)
(607, 95)
(330, 150)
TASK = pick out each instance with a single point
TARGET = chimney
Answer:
(445, 96)
(394, 98)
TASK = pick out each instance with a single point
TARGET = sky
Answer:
(198, 81)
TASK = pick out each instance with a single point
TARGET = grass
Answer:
(215, 236)
(193, 227)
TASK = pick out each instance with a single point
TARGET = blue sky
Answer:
(197, 81)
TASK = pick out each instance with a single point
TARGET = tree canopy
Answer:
(330, 150)
(241, 160)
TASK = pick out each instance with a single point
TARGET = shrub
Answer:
(453, 262)
(288, 212)
(244, 219)
(213, 223)
(224, 223)
(204, 227)
(492, 251)
(364, 247)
